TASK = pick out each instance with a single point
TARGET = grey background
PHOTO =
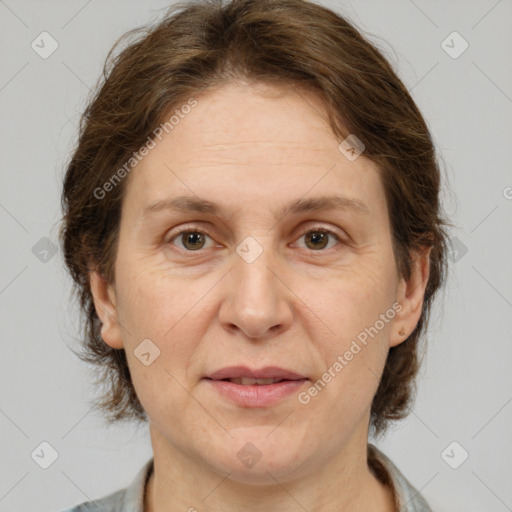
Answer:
(465, 386)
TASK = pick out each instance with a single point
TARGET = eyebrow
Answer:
(196, 204)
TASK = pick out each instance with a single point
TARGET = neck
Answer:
(345, 483)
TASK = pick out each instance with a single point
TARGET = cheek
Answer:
(152, 301)
(162, 318)
(169, 311)
(354, 300)
(356, 310)
(352, 358)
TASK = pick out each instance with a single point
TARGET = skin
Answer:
(252, 149)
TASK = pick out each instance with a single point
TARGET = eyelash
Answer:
(310, 230)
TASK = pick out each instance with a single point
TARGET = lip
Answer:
(255, 395)
(269, 372)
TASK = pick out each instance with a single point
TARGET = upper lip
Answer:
(269, 372)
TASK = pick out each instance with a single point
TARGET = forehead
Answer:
(248, 143)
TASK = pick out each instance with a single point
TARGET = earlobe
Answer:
(106, 309)
(410, 296)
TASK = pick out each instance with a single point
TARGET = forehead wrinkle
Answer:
(186, 203)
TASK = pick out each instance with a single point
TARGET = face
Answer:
(289, 267)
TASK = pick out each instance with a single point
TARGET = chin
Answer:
(253, 456)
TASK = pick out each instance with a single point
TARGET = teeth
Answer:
(249, 381)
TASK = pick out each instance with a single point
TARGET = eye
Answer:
(318, 238)
(191, 240)
(194, 240)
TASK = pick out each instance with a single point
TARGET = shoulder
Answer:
(110, 503)
(407, 497)
(130, 499)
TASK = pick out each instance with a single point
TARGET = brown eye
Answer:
(318, 239)
(190, 240)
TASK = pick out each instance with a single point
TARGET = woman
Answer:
(252, 221)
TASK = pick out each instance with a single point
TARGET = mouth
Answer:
(250, 376)
(255, 388)
(250, 381)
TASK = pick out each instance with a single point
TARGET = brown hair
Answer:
(203, 44)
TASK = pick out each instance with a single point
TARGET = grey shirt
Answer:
(131, 499)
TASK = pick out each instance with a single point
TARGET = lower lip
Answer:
(257, 396)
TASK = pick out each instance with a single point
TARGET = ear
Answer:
(410, 295)
(105, 305)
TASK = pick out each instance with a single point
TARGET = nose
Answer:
(257, 302)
